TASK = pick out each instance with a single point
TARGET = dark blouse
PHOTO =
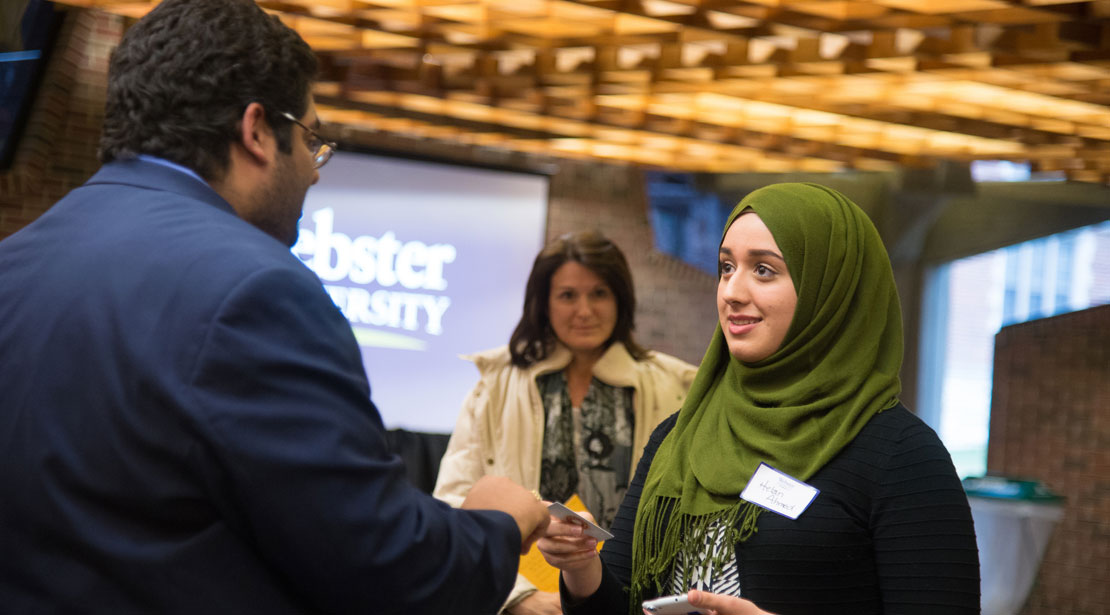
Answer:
(890, 532)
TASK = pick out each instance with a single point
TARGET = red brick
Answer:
(1049, 416)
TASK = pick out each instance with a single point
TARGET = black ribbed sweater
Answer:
(890, 532)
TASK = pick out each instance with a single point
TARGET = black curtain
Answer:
(421, 453)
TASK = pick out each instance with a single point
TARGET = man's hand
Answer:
(538, 603)
(500, 493)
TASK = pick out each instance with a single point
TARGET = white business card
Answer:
(592, 529)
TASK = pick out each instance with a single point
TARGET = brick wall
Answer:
(58, 152)
(1050, 420)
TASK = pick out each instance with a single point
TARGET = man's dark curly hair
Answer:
(181, 78)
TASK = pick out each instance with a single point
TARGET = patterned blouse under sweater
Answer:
(726, 582)
(587, 449)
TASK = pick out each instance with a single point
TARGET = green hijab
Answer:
(794, 410)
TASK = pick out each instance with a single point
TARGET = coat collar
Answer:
(154, 176)
(616, 367)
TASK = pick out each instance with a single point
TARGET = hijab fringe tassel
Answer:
(664, 539)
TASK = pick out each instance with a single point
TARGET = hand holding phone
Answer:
(593, 530)
(672, 605)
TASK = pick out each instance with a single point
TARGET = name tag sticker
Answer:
(778, 492)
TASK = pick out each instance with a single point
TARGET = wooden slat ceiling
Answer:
(722, 85)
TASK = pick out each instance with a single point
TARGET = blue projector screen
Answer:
(427, 261)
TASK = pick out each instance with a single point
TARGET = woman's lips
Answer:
(739, 325)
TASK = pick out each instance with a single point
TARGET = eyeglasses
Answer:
(320, 147)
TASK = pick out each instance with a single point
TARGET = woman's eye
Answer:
(763, 270)
(723, 268)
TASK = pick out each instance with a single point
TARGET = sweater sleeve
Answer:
(924, 540)
(611, 596)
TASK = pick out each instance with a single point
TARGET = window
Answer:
(687, 221)
(967, 301)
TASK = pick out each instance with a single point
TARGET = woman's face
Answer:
(755, 295)
(582, 308)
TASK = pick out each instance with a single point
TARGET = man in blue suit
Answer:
(185, 425)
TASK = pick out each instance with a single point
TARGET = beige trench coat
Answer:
(500, 428)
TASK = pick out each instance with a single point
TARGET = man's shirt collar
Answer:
(172, 165)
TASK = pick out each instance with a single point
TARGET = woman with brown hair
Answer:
(568, 405)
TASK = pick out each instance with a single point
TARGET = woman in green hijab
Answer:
(792, 480)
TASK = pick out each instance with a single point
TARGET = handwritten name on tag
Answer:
(778, 492)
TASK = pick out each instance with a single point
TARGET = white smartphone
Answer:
(672, 605)
(593, 530)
